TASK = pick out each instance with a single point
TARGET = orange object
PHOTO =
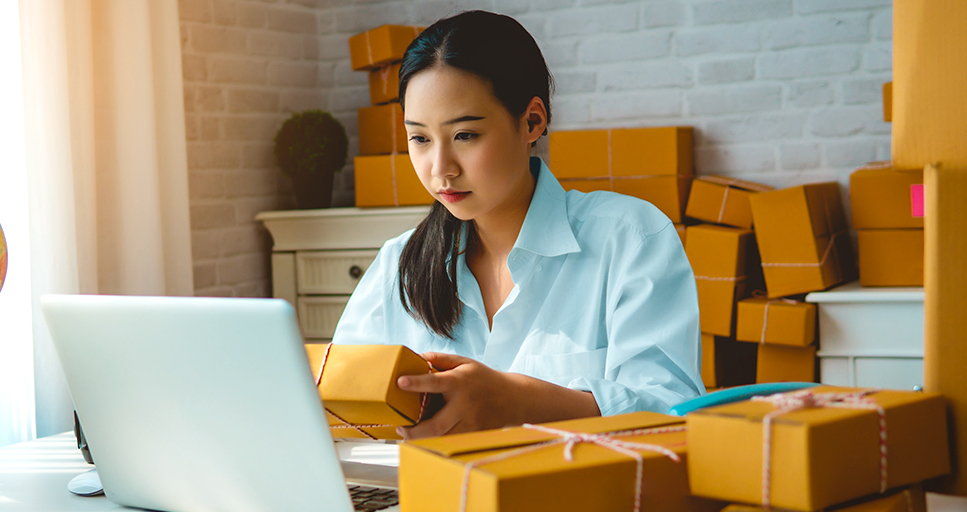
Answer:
(621, 152)
(725, 263)
(818, 456)
(891, 257)
(727, 363)
(777, 363)
(523, 477)
(667, 193)
(803, 239)
(776, 321)
(929, 79)
(357, 384)
(381, 45)
(722, 200)
(381, 130)
(880, 197)
(910, 499)
(888, 102)
(384, 84)
(945, 299)
(388, 180)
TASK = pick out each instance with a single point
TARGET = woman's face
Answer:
(467, 149)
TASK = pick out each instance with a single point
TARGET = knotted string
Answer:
(359, 427)
(804, 399)
(570, 440)
(759, 294)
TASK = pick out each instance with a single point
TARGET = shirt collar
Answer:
(547, 230)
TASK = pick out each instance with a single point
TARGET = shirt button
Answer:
(539, 268)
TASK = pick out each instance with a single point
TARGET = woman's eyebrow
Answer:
(452, 121)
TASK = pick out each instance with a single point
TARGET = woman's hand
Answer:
(479, 398)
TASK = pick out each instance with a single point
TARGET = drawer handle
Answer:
(355, 272)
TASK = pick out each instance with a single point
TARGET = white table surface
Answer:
(34, 475)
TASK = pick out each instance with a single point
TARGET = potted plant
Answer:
(311, 147)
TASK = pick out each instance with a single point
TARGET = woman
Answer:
(536, 305)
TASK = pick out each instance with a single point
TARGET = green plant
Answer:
(311, 142)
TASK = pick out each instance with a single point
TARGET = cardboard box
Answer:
(381, 130)
(381, 45)
(384, 84)
(911, 499)
(597, 479)
(820, 456)
(880, 197)
(388, 180)
(891, 257)
(777, 363)
(888, 102)
(667, 193)
(722, 200)
(929, 80)
(945, 299)
(727, 363)
(776, 321)
(725, 263)
(658, 151)
(803, 239)
(357, 385)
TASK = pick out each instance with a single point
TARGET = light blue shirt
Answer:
(604, 300)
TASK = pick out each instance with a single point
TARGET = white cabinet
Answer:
(318, 256)
(870, 337)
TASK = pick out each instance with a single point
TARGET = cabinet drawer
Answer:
(318, 315)
(871, 372)
(331, 272)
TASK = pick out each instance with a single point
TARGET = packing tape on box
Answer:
(804, 399)
(359, 428)
(570, 440)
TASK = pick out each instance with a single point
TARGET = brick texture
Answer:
(779, 91)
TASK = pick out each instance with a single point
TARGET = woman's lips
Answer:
(453, 196)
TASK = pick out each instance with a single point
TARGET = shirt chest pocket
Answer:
(561, 369)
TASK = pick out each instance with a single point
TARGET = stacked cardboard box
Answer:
(887, 207)
(654, 164)
(382, 178)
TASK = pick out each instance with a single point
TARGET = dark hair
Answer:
(500, 51)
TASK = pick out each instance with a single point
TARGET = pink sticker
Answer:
(916, 200)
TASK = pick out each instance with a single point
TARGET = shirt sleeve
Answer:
(363, 322)
(654, 340)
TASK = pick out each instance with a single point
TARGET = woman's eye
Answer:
(465, 136)
(419, 139)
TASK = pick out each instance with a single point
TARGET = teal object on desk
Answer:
(724, 396)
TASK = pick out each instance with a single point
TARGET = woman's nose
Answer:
(444, 165)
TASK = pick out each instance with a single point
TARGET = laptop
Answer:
(201, 404)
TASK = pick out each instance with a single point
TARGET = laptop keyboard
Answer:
(373, 498)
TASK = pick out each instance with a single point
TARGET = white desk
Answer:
(34, 475)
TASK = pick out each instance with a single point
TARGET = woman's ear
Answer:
(536, 117)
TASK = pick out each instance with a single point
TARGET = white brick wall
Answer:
(780, 91)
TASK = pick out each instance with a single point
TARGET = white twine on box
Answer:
(359, 427)
(725, 199)
(803, 399)
(765, 314)
(570, 440)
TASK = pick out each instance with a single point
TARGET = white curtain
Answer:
(106, 168)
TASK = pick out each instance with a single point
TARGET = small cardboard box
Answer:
(777, 363)
(667, 193)
(381, 45)
(384, 84)
(725, 263)
(722, 200)
(888, 102)
(657, 151)
(911, 499)
(820, 456)
(540, 478)
(381, 130)
(891, 257)
(880, 197)
(803, 239)
(727, 363)
(929, 105)
(357, 385)
(388, 180)
(776, 321)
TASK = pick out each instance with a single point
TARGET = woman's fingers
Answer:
(442, 361)
(428, 383)
(442, 422)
